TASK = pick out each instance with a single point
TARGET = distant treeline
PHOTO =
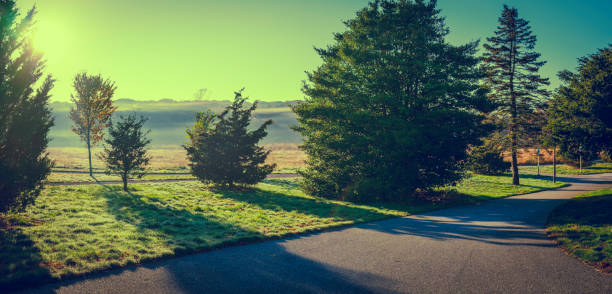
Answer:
(169, 118)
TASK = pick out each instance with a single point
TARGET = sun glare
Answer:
(52, 39)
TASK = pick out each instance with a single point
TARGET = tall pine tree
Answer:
(25, 118)
(223, 150)
(512, 67)
(392, 109)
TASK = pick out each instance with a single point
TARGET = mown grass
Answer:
(582, 226)
(564, 169)
(481, 187)
(68, 177)
(73, 230)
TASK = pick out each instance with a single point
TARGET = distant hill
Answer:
(169, 118)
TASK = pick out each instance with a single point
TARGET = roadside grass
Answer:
(582, 226)
(481, 187)
(564, 169)
(74, 230)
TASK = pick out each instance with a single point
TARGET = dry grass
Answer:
(529, 156)
(286, 157)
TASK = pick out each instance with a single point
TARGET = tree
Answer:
(580, 113)
(125, 154)
(25, 117)
(512, 68)
(392, 109)
(94, 108)
(223, 151)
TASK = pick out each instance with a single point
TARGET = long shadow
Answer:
(509, 222)
(586, 179)
(322, 208)
(20, 261)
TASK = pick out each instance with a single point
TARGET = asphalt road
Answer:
(496, 247)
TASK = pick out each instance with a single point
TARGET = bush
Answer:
(223, 151)
(487, 161)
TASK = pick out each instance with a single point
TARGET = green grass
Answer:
(58, 177)
(74, 230)
(583, 228)
(564, 169)
(489, 187)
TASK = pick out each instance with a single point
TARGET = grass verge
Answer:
(564, 169)
(75, 230)
(582, 226)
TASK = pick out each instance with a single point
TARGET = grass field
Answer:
(287, 157)
(583, 228)
(73, 230)
(564, 169)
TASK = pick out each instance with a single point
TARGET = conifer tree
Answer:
(223, 150)
(25, 117)
(392, 109)
(580, 113)
(125, 153)
(93, 109)
(512, 67)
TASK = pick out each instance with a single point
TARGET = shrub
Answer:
(487, 161)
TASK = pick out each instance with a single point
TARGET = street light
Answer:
(580, 155)
(538, 161)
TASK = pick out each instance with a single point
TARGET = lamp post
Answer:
(538, 154)
(580, 155)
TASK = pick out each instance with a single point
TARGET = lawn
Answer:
(583, 228)
(564, 169)
(73, 230)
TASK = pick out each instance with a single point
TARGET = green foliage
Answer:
(581, 112)
(582, 226)
(487, 161)
(94, 108)
(393, 108)
(125, 154)
(512, 67)
(25, 118)
(222, 149)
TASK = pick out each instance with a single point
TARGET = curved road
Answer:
(496, 247)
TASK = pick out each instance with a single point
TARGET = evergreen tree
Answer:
(94, 109)
(580, 113)
(25, 118)
(125, 154)
(223, 151)
(512, 67)
(392, 109)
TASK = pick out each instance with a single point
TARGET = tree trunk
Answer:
(515, 172)
(89, 153)
(125, 180)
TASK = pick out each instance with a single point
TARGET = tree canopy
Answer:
(393, 108)
(25, 117)
(580, 114)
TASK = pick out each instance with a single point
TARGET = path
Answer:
(496, 247)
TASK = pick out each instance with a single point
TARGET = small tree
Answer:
(125, 153)
(94, 109)
(25, 117)
(580, 113)
(512, 68)
(223, 151)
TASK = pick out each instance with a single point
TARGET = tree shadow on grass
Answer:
(20, 261)
(183, 231)
(318, 207)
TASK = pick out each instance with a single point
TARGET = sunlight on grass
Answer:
(564, 169)
(73, 230)
(583, 227)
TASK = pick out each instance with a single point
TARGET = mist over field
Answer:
(168, 120)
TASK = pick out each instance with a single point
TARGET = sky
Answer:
(157, 49)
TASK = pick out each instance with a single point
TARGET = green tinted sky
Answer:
(168, 49)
